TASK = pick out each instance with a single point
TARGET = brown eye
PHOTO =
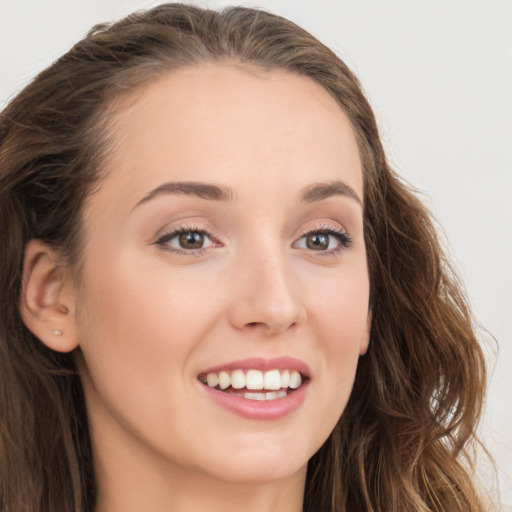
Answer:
(325, 241)
(317, 241)
(186, 241)
(191, 240)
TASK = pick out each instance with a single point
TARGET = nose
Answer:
(267, 297)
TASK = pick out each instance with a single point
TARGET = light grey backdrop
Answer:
(439, 76)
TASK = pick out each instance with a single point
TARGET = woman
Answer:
(217, 293)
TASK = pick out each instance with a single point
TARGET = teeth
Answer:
(273, 381)
(238, 379)
(271, 395)
(212, 379)
(224, 380)
(285, 379)
(295, 380)
(255, 396)
(254, 379)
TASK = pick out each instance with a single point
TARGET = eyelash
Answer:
(163, 241)
(339, 234)
(342, 237)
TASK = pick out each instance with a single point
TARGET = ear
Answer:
(47, 298)
(365, 337)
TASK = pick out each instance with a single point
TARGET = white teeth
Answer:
(238, 379)
(295, 380)
(271, 395)
(285, 379)
(273, 381)
(255, 396)
(212, 379)
(254, 379)
(224, 380)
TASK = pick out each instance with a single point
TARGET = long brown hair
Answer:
(402, 441)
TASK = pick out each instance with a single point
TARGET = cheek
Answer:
(136, 329)
(340, 310)
(137, 306)
(137, 334)
(339, 317)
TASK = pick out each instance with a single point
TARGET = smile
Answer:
(269, 385)
(258, 388)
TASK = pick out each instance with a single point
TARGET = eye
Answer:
(328, 240)
(186, 240)
(191, 240)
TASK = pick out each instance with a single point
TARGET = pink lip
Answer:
(258, 410)
(262, 364)
(265, 409)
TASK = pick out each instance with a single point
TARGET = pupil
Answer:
(317, 241)
(191, 240)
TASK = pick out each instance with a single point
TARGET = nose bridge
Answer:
(267, 296)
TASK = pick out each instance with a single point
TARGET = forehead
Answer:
(210, 120)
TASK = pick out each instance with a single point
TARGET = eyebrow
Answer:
(312, 194)
(191, 188)
(321, 191)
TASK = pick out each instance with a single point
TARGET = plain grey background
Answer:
(439, 76)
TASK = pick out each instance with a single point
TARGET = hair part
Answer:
(402, 439)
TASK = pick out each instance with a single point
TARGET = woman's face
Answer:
(224, 248)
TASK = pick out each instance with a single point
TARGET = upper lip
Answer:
(263, 364)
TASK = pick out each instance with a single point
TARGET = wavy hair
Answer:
(403, 440)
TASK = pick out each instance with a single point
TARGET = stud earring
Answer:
(57, 332)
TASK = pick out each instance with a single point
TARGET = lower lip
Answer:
(259, 409)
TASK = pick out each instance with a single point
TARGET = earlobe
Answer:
(47, 301)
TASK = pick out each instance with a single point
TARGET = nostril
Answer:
(255, 324)
(269, 328)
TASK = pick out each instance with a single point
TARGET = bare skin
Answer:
(266, 261)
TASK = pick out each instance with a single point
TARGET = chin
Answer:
(264, 461)
(259, 472)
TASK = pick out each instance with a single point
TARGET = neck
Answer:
(194, 497)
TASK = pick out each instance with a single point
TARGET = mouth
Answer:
(255, 384)
(258, 388)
